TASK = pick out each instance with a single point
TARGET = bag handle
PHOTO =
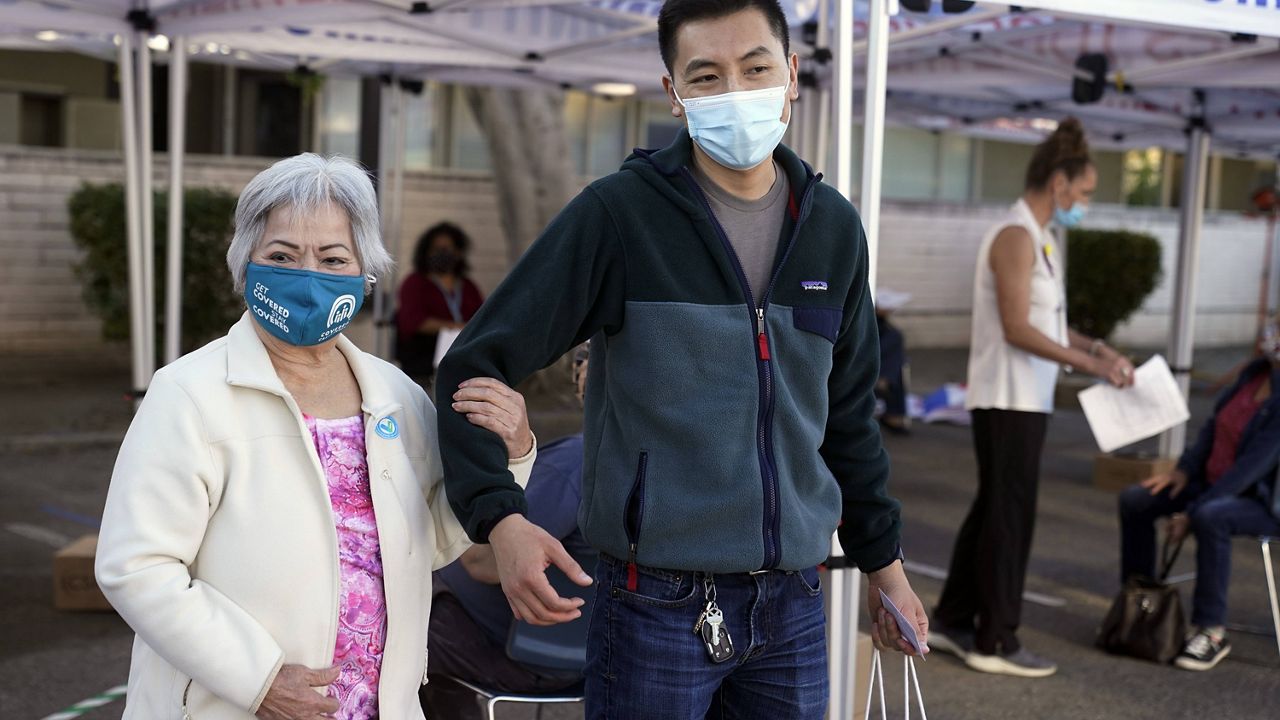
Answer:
(1168, 558)
(909, 680)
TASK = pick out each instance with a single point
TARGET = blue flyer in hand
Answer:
(907, 627)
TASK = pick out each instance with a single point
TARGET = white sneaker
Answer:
(1022, 663)
(1203, 651)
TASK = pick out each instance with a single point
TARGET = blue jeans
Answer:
(644, 662)
(1213, 522)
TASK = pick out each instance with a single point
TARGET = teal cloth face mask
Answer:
(302, 307)
(1071, 217)
(738, 130)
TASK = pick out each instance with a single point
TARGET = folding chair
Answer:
(558, 649)
(1271, 586)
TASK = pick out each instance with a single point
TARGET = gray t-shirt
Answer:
(753, 226)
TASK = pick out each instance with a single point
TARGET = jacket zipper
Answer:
(764, 416)
(633, 520)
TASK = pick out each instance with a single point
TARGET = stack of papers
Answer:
(1123, 417)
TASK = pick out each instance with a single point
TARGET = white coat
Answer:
(218, 543)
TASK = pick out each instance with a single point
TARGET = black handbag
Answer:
(1146, 619)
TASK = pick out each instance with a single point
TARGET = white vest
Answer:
(1001, 376)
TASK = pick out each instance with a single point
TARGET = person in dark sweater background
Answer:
(437, 296)
(470, 616)
(1224, 485)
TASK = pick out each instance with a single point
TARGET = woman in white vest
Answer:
(1019, 341)
(277, 507)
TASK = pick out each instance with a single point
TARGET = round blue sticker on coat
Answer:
(387, 428)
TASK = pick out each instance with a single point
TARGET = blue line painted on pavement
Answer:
(74, 517)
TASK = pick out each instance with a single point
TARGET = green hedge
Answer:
(209, 304)
(1110, 273)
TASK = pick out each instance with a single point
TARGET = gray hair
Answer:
(306, 183)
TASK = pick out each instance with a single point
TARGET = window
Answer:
(1143, 174)
(422, 122)
(340, 117)
(607, 138)
(660, 128)
(469, 150)
(40, 120)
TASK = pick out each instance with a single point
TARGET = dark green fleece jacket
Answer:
(719, 436)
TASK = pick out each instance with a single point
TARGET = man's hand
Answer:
(523, 552)
(1176, 481)
(885, 634)
(492, 405)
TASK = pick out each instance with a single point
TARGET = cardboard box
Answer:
(1116, 472)
(74, 586)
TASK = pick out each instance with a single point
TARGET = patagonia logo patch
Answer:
(814, 285)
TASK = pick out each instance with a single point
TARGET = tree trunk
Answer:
(532, 167)
(534, 175)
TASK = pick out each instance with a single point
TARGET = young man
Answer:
(729, 403)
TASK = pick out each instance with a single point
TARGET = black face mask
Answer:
(442, 262)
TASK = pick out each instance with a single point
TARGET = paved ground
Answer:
(63, 417)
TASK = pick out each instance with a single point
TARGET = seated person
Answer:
(892, 386)
(470, 616)
(1224, 485)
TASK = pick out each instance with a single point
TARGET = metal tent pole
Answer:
(147, 196)
(1182, 329)
(132, 206)
(177, 148)
(873, 129)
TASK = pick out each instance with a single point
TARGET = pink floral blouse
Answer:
(362, 605)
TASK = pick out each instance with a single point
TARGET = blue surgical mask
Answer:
(1071, 217)
(738, 130)
(302, 307)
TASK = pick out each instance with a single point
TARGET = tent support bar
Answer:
(133, 213)
(1195, 63)
(936, 27)
(177, 148)
(146, 177)
(1182, 330)
(606, 40)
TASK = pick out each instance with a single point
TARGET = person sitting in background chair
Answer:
(1224, 485)
(892, 386)
(470, 617)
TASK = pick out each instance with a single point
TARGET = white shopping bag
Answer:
(909, 680)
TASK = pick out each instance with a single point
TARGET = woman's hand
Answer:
(1115, 369)
(492, 405)
(292, 697)
(1175, 481)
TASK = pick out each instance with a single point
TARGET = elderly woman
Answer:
(276, 510)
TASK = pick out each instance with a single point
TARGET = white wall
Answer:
(930, 250)
(40, 297)
(926, 248)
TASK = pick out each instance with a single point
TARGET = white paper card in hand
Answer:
(1120, 417)
(905, 626)
(444, 341)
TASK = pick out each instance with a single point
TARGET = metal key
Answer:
(715, 619)
(716, 636)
